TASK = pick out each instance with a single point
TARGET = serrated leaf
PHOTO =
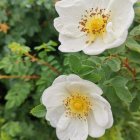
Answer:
(38, 111)
(86, 70)
(122, 91)
(135, 31)
(17, 94)
(134, 57)
(75, 63)
(133, 45)
(111, 95)
(114, 64)
(135, 105)
(94, 76)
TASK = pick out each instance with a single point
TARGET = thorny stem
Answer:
(19, 77)
(132, 70)
(34, 59)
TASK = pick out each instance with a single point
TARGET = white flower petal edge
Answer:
(134, 1)
(95, 130)
(73, 129)
(69, 44)
(76, 108)
(64, 78)
(76, 83)
(53, 119)
(99, 46)
(122, 15)
(54, 95)
(93, 25)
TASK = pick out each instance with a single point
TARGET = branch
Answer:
(19, 77)
(132, 70)
(35, 59)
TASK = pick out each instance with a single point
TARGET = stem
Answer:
(132, 70)
(19, 77)
(35, 59)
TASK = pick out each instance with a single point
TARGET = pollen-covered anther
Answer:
(94, 23)
(77, 106)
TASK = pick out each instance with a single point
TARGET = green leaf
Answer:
(134, 57)
(38, 111)
(135, 105)
(133, 45)
(17, 94)
(114, 64)
(85, 70)
(12, 128)
(75, 63)
(5, 136)
(18, 48)
(113, 134)
(135, 31)
(122, 91)
(47, 47)
(137, 8)
(94, 76)
(110, 93)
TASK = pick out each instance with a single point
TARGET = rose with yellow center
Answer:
(92, 26)
(76, 108)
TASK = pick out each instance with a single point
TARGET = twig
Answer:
(35, 59)
(132, 70)
(19, 77)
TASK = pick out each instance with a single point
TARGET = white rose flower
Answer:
(93, 25)
(76, 108)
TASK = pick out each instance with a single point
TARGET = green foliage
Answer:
(12, 128)
(133, 45)
(114, 64)
(17, 94)
(47, 47)
(30, 61)
(38, 111)
(75, 63)
(19, 49)
(119, 85)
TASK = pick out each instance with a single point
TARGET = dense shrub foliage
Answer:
(30, 61)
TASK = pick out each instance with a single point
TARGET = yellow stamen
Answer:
(77, 105)
(94, 23)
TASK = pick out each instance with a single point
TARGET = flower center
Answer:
(77, 106)
(94, 23)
